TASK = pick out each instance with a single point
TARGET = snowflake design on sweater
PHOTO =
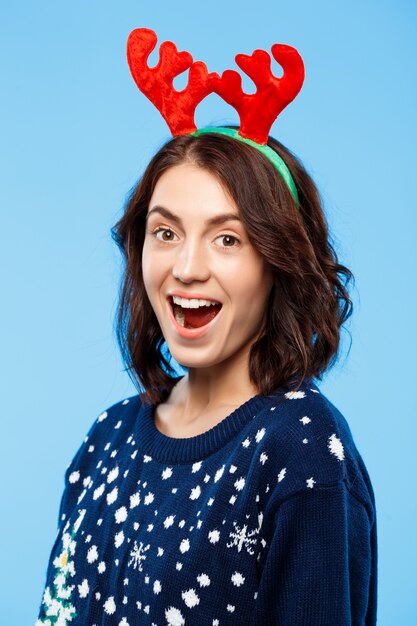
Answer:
(242, 537)
(138, 555)
(58, 608)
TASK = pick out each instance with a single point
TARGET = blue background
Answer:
(76, 134)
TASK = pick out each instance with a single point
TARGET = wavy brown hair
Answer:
(309, 300)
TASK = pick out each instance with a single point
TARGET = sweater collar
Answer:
(191, 449)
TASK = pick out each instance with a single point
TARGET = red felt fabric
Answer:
(257, 111)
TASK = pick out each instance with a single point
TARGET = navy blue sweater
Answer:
(266, 519)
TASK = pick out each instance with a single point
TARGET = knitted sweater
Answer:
(266, 519)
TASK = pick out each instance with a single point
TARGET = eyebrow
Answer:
(213, 221)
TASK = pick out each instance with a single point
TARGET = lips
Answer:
(193, 317)
(190, 332)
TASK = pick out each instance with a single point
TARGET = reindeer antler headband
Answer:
(257, 111)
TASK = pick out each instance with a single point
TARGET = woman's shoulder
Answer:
(109, 429)
(119, 416)
(309, 443)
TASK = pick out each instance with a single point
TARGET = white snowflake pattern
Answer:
(112, 496)
(149, 498)
(184, 545)
(336, 447)
(259, 435)
(240, 483)
(203, 580)
(237, 579)
(281, 474)
(113, 474)
(119, 539)
(174, 617)
(219, 474)
(295, 395)
(99, 491)
(138, 555)
(83, 589)
(214, 536)
(167, 473)
(121, 515)
(109, 606)
(195, 492)
(169, 521)
(134, 500)
(242, 537)
(74, 476)
(92, 554)
(190, 598)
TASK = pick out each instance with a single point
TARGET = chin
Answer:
(194, 358)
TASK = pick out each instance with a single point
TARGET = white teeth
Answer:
(192, 303)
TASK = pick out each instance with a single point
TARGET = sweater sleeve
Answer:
(318, 567)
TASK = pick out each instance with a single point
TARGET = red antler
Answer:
(258, 111)
(176, 107)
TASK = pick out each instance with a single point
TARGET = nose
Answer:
(190, 263)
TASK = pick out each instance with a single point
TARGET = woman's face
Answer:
(192, 251)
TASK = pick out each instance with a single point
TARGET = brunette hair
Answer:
(308, 302)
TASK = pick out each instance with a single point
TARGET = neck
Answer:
(208, 389)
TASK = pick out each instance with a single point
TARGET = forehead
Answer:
(187, 187)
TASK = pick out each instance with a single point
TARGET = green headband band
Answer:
(266, 150)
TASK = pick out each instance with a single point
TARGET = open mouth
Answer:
(191, 317)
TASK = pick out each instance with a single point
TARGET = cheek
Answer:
(252, 288)
(247, 280)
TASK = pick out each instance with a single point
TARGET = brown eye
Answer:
(229, 241)
(167, 231)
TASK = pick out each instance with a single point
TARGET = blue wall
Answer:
(76, 134)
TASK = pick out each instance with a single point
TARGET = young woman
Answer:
(233, 494)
